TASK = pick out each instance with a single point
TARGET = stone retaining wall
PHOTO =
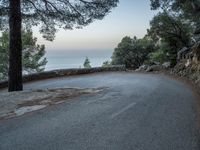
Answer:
(64, 72)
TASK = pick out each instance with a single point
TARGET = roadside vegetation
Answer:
(172, 41)
(172, 29)
(86, 63)
(33, 54)
(107, 64)
(132, 52)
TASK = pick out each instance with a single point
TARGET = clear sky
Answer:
(130, 18)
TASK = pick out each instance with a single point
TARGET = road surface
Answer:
(134, 112)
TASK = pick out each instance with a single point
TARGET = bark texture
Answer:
(15, 49)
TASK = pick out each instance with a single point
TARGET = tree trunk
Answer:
(15, 48)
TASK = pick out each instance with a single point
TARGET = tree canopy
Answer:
(189, 9)
(171, 31)
(49, 14)
(170, 28)
(132, 52)
(176, 5)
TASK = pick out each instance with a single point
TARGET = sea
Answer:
(75, 59)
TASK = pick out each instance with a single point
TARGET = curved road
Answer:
(135, 112)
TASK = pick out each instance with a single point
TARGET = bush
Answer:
(86, 63)
(106, 64)
(158, 56)
(133, 52)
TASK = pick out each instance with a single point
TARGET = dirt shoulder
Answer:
(18, 103)
(195, 89)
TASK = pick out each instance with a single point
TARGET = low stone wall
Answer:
(64, 72)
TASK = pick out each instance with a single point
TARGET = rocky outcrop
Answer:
(142, 68)
(182, 54)
(196, 53)
(190, 54)
(189, 70)
(166, 65)
(189, 63)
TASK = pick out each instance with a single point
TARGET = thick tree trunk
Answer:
(15, 51)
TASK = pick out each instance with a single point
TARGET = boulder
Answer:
(156, 63)
(166, 65)
(182, 53)
(142, 68)
(154, 68)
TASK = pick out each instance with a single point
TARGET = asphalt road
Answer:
(134, 112)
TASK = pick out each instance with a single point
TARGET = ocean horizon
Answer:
(75, 59)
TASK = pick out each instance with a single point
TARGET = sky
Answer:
(130, 18)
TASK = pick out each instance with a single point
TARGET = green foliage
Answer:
(106, 64)
(158, 56)
(33, 54)
(171, 30)
(187, 9)
(133, 52)
(4, 44)
(177, 24)
(86, 63)
(186, 6)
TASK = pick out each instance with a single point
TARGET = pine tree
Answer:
(48, 14)
(86, 63)
(33, 59)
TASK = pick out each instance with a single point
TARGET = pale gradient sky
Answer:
(130, 18)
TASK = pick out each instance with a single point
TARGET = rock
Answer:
(182, 53)
(188, 62)
(142, 68)
(166, 65)
(188, 69)
(196, 52)
(156, 63)
(154, 68)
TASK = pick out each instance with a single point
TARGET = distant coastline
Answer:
(75, 59)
